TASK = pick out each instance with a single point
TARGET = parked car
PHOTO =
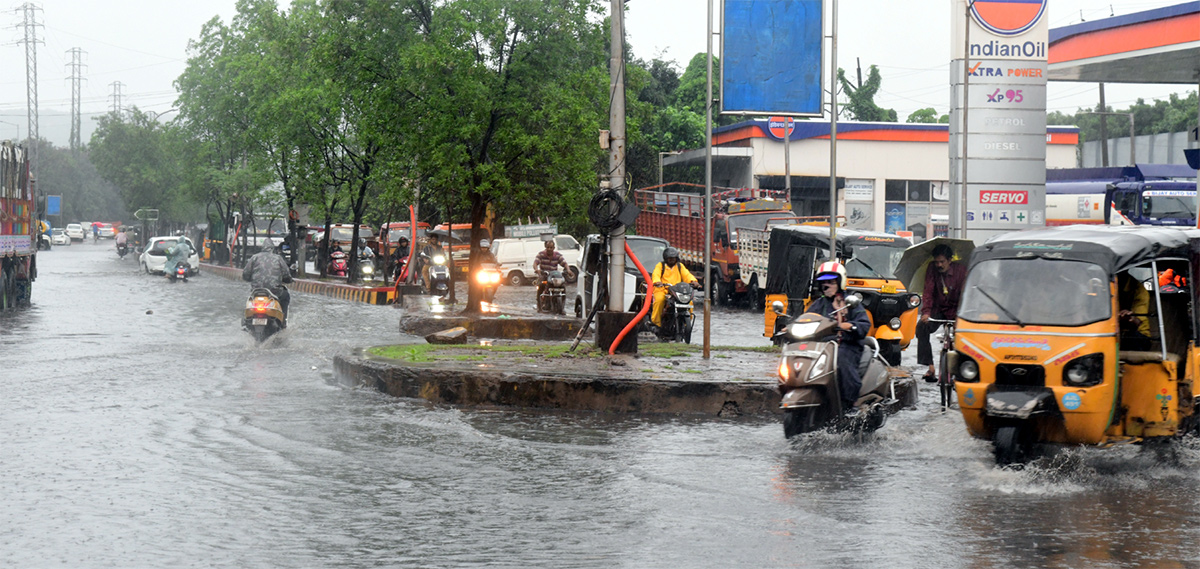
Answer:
(75, 232)
(155, 255)
(58, 236)
(515, 257)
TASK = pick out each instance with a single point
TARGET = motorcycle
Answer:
(122, 249)
(488, 276)
(366, 264)
(339, 265)
(439, 275)
(678, 315)
(180, 272)
(808, 379)
(263, 315)
(553, 298)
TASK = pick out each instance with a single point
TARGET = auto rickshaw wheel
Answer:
(1010, 446)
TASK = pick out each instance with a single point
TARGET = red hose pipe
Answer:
(645, 305)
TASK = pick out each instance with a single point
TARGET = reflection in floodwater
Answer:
(141, 427)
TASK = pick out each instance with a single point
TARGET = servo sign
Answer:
(1003, 197)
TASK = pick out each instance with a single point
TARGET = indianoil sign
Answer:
(999, 79)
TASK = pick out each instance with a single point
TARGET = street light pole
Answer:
(660, 163)
(18, 140)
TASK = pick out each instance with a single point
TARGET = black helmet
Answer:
(670, 252)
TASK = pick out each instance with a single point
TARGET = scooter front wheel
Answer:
(799, 421)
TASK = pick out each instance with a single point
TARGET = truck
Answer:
(1145, 194)
(678, 218)
(18, 228)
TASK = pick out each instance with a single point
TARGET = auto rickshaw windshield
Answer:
(873, 261)
(1036, 291)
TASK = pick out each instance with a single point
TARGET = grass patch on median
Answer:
(428, 353)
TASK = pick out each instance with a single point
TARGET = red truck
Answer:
(18, 253)
(679, 218)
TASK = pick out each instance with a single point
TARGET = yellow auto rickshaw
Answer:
(870, 259)
(1078, 335)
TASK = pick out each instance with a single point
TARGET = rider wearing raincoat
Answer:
(177, 253)
(669, 272)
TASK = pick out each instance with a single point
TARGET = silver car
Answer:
(155, 256)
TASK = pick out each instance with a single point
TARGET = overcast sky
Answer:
(142, 43)
(908, 39)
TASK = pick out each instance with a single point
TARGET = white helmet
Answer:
(832, 270)
(484, 244)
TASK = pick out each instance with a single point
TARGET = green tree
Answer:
(138, 155)
(861, 105)
(928, 115)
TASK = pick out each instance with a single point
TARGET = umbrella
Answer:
(911, 268)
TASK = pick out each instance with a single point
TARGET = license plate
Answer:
(259, 321)
(888, 289)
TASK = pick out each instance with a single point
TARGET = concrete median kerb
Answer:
(665, 379)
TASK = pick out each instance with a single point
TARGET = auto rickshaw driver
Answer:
(1133, 301)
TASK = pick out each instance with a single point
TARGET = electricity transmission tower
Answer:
(31, 25)
(76, 66)
(117, 108)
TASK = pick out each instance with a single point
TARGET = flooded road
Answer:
(141, 427)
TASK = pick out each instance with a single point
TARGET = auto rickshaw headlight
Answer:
(968, 370)
(914, 300)
(894, 323)
(1085, 371)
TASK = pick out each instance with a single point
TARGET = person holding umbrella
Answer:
(943, 289)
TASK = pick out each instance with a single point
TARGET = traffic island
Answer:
(425, 315)
(661, 379)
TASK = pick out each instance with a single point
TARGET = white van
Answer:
(515, 257)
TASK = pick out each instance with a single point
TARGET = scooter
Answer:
(122, 249)
(180, 273)
(488, 276)
(339, 265)
(553, 298)
(263, 315)
(439, 275)
(366, 264)
(808, 379)
(678, 315)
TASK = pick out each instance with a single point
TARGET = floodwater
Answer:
(140, 427)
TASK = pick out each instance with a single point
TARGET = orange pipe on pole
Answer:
(645, 305)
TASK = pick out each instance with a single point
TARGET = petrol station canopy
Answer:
(1154, 46)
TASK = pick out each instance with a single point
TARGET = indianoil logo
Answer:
(1008, 17)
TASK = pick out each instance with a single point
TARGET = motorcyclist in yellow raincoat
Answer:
(669, 272)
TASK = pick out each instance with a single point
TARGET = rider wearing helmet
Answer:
(853, 325)
(669, 272)
(485, 252)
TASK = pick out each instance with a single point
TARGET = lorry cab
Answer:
(1080, 335)
(594, 269)
(870, 259)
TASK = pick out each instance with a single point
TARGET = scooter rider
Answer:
(177, 253)
(545, 261)
(853, 325)
(669, 272)
(267, 269)
(399, 256)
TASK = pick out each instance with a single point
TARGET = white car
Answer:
(58, 236)
(155, 256)
(75, 232)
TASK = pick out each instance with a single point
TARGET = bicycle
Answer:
(945, 379)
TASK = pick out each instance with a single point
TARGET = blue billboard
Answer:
(53, 205)
(771, 57)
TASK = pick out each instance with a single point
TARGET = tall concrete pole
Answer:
(710, 280)
(616, 155)
(833, 113)
(966, 105)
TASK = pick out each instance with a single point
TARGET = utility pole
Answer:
(76, 78)
(117, 107)
(31, 25)
(1103, 130)
(616, 154)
